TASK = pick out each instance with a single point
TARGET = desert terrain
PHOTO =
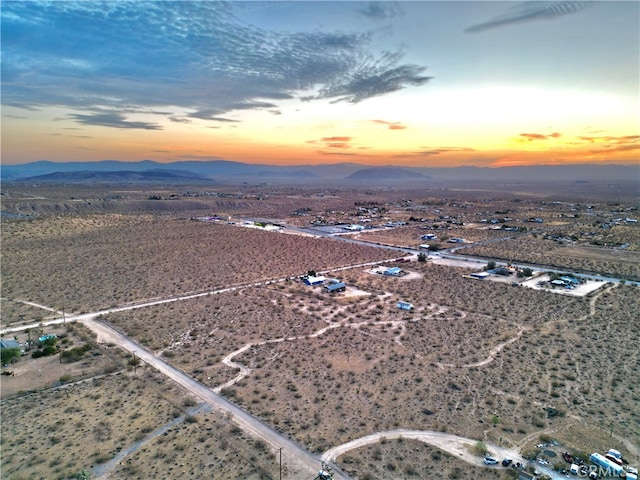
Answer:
(493, 361)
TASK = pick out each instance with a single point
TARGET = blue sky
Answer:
(411, 83)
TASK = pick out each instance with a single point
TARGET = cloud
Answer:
(538, 136)
(341, 154)
(617, 148)
(197, 58)
(336, 139)
(612, 139)
(391, 125)
(430, 152)
(114, 120)
(381, 10)
(610, 143)
(372, 79)
(179, 119)
(532, 10)
(333, 142)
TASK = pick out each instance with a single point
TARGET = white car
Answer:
(490, 461)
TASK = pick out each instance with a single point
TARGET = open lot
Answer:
(480, 359)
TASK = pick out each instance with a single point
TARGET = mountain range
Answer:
(228, 171)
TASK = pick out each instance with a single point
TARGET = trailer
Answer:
(610, 468)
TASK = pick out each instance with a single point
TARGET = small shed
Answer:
(526, 476)
(9, 344)
(404, 305)
(392, 271)
(310, 280)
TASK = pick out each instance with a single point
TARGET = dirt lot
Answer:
(33, 374)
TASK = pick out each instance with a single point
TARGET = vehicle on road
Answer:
(506, 462)
(490, 461)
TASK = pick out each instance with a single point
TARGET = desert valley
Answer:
(272, 330)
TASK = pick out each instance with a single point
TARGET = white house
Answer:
(319, 280)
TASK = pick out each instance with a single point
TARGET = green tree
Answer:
(491, 265)
(422, 257)
(83, 475)
(8, 354)
(525, 272)
(480, 448)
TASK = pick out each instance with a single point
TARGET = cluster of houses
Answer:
(332, 285)
(565, 282)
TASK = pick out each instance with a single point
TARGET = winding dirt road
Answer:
(459, 447)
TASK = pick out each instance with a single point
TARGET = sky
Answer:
(419, 83)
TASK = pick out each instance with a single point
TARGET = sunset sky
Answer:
(421, 83)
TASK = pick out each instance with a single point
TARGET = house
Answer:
(570, 280)
(310, 280)
(480, 275)
(392, 271)
(336, 287)
(404, 305)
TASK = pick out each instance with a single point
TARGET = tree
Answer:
(480, 448)
(422, 257)
(8, 354)
(525, 272)
(491, 265)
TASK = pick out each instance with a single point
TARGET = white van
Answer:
(575, 469)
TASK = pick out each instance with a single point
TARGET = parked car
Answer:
(506, 462)
(490, 461)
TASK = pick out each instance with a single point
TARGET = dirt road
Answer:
(459, 447)
(301, 463)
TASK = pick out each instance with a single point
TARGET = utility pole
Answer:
(135, 363)
(280, 451)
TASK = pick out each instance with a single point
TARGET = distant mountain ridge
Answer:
(119, 176)
(234, 171)
(385, 173)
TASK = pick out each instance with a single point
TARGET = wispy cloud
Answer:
(608, 143)
(333, 142)
(198, 57)
(391, 125)
(528, 137)
(430, 152)
(532, 10)
(114, 120)
(611, 139)
(372, 78)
